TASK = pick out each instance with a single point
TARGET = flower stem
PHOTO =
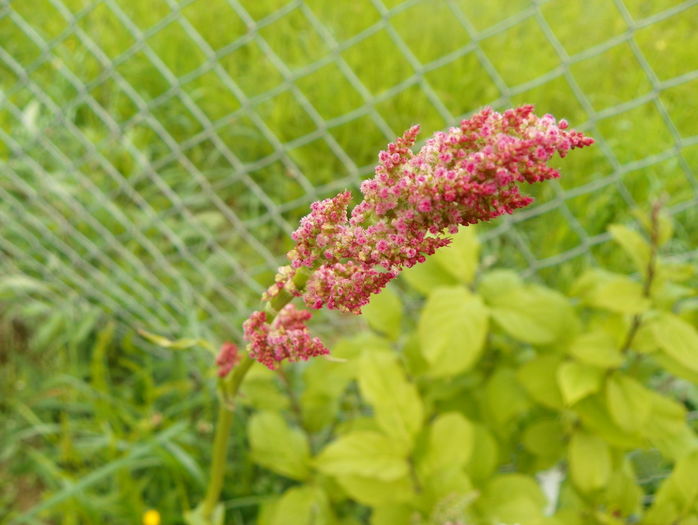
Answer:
(650, 274)
(230, 387)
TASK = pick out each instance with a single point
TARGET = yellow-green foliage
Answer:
(499, 402)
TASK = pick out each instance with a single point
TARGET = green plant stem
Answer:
(229, 390)
(230, 387)
(650, 274)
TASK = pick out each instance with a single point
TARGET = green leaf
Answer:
(428, 276)
(667, 413)
(375, 492)
(675, 368)
(621, 295)
(496, 283)
(504, 400)
(578, 380)
(460, 258)
(684, 475)
(678, 339)
(187, 462)
(350, 520)
(596, 348)
(482, 463)
(623, 495)
(674, 272)
(397, 406)
(415, 363)
(589, 461)
(277, 446)
(538, 377)
(179, 344)
(384, 313)
(452, 330)
(363, 453)
(669, 431)
(629, 403)
(644, 341)
(544, 438)
(324, 382)
(611, 291)
(666, 291)
(357, 423)
(350, 349)
(391, 514)
(262, 393)
(512, 498)
(673, 446)
(633, 244)
(305, 505)
(450, 443)
(569, 516)
(533, 314)
(319, 409)
(594, 414)
(446, 487)
(267, 511)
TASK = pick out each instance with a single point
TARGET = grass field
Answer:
(155, 156)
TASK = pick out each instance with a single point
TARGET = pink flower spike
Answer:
(465, 175)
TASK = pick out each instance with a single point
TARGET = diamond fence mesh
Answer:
(156, 155)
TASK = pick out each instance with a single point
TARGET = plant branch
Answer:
(650, 274)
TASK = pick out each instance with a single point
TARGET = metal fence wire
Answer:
(156, 154)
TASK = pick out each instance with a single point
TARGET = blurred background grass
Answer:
(156, 155)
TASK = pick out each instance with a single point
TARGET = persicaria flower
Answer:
(286, 337)
(462, 176)
(466, 175)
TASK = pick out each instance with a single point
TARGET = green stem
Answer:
(650, 274)
(230, 387)
(220, 446)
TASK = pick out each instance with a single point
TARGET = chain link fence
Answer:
(156, 155)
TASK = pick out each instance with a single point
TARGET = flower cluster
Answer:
(286, 337)
(465, 175)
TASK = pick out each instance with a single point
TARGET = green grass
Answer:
(126, 180)
(100, 431)
(330, 85)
